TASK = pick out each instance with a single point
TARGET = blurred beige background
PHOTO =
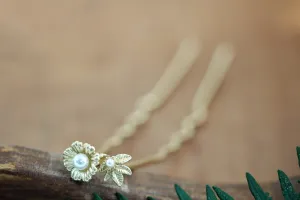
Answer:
(72, 70)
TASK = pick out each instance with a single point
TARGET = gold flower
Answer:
(115, 168)
(81, 160)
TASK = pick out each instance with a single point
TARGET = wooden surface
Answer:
(32, 174)
(72, 70)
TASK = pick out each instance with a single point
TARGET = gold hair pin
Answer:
(83, 162)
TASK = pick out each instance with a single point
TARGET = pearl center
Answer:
(81, 161)
(110, 162)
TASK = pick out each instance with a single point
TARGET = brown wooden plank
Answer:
(32, 174)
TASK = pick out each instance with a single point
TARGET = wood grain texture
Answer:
(72, 70)
(33, 174)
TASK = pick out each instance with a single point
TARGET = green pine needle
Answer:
(221, 194)
(210, 195)
(96, 197)
(150, 198)
(181, 193)
(298, 154)
(287, 188)
(256, 191)
(120, 196)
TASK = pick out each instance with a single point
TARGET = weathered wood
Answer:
(32, 174)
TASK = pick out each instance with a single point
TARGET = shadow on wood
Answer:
(32, 174)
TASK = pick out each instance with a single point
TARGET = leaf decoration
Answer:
(96, 197)
(210, 195)
(120, 196)
(256, 190)
(117, 177)
(181, 193)
(221, 194)
(287, 188)
(298, 154)
(107, 176)
(122, 158)
(123, 169)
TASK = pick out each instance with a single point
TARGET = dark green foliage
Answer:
(120, 196)
(210, 195)
(221, 194)
(150, 198)
(182, 195)
(256, 191)
(96, 197)
(287, 188)
(298, 154)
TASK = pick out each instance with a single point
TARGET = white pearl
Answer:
(110, 162)
(81, 161)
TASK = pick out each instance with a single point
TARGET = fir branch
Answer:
(287, 188)
(210, 195)
(120, 196)
(298, 154)
(182, 195)
(221, 194)
(150, 198)
(256, 190)
(96, 197)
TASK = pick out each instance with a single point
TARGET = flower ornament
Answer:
(115, 168)
(81, 160)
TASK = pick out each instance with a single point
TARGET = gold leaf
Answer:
(107, 176)
(123, 169)
(118, 178)
(122, 158)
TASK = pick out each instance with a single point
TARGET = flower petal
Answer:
(77, 146)
(118, 178)
(107, 176)
(87, 176)
(75, 174)
(89, 149)
(122, 158)
(95, 158)
(68, 163)
(69, 153)
(93, 170)
(123, 169)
